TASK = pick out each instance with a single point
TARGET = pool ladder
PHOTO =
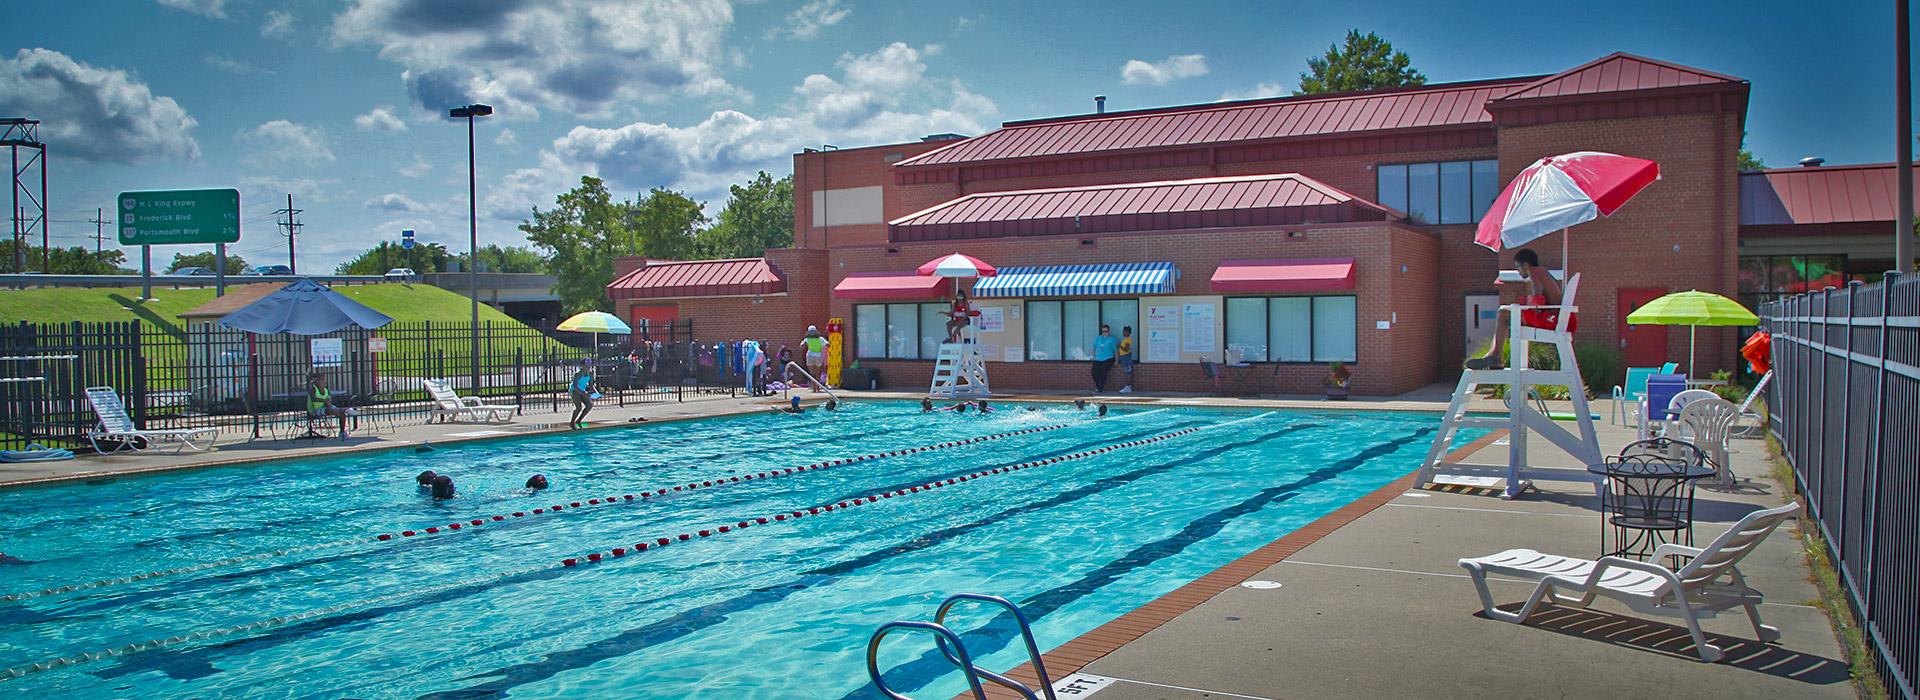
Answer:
(957, 652)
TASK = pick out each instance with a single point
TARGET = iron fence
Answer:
(250, 386)
(1845, 407)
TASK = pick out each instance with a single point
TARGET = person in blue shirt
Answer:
(1105, 346)
(581, 391)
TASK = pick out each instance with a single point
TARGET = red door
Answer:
(654, 316)
(1642, 346)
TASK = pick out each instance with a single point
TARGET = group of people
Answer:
(1108, 351)
(440, 486)
(793, 406)
(981, 405)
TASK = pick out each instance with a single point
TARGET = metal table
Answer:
(1649, 502)
(1244, 378)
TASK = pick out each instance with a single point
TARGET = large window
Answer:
(1453, 192)
(1064, 330)
(1292, 329)
(899, 331)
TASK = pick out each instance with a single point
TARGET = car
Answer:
(194, 272)
(273, 270)
(400, 274)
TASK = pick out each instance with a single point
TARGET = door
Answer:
(1483, 310)
(1641, 346)
(657, 317)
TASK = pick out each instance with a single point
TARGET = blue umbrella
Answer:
(304, 308)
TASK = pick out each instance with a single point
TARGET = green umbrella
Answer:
(1692, 308)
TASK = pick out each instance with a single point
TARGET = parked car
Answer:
(194, 272)
(400, 274)
(273, 270)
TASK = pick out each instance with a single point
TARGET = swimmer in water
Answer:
(537, 482)
(959, 407)
(926, 405)
(1103, 409)
(425, 479)
(1080, 404)
(831, 405)
(793, 407)
(982, 405)
(6, 558)
(442, 487)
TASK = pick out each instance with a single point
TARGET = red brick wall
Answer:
(844, 168)
(778, 318)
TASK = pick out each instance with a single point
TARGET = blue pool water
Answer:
(779, 610)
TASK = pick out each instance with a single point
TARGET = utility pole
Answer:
(99, 229)
(291, 228)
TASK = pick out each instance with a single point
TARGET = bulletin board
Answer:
(1002, 329)
(1180, 329)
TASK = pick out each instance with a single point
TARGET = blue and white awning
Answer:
(1111, 279)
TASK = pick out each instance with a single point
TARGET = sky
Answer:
(343, 104)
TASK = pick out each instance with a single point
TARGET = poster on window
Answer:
(327, 352)
(993, 319)
(1163, 317)
(1196, 327)
(1163, 345)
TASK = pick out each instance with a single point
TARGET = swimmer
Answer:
(958, 408)
(982, 405)
(442, 487)
(1080, 404)
(425, 479)
(537, 482)
(1103, 409)
(6, 558)
(926, 405)
(831, 405)
(793, 407)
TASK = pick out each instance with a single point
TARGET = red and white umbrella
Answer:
(957, 265)
(1557, 192)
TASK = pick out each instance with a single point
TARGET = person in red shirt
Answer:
(1542, 290)
(961, 315)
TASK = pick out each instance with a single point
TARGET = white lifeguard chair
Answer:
(960, 370)
(1522, 418)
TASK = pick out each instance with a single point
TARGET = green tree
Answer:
(666, 225)
(495, 258)
(235, 265)
(76, 260)
(1365, 62)
(1749, 161)
(758, 216)
(386, 255)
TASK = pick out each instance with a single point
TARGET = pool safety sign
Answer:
(1080, 685)
(327, 352)
(170, 217)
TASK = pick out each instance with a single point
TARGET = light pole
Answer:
(473, 241)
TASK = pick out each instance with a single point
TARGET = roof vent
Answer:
(1099, 104)
(1812, 162)
(942, 137)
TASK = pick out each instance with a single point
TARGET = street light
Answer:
(473, 239)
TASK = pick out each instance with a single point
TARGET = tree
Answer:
(666, 225)
(495, 258)
(423, 258)
(1364, 63)
(235, 265)
(586, 230)
(758, 216)
(76, 260)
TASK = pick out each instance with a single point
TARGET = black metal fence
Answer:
(254, 386)
(1845, 406)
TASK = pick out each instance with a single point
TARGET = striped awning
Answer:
(1111, 279)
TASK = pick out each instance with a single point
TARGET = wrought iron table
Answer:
(1649, 497)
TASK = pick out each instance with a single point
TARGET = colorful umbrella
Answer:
(1692, 309)
(956, 266)
(1559, 191)
(595, 322)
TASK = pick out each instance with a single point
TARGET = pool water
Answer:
(776, 610)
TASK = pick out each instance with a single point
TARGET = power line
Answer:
(291, 229)
(99, 231)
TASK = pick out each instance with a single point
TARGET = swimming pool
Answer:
(336, 578)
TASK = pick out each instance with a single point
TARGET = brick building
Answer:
(1282, 233)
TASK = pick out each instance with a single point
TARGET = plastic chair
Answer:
(1627, 394)
(1670, 368)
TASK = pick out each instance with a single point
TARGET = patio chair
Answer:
(1680, 401)
(117, 428)
(449, 405)
(1706, 423)
(1626, 395)
(1709, 583)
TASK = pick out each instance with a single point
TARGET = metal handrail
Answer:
(810, 379)
(1026, 634)
(945, 635)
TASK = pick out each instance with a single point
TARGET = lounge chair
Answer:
(448, 404)
(1709, 583)
(1755, 424)
(117, 428)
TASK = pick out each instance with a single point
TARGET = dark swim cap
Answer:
(443, 487)
(536, 482)
(425, 478)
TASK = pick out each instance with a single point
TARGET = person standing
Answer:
(814, 348)
(1104, 349)
(1126, 359)
(581, 391)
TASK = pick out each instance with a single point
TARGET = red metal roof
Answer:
(699, 278)
(1210, 202)
(1617, 72)
(1837, 194)
(889, 286)
(1443, 105)
(1303, 275)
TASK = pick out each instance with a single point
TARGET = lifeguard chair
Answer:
(960, 370)
(1522, 419)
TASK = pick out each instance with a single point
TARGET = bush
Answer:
(1731, 391)
(1601, 366)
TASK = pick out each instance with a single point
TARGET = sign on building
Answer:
(172, 217)
(327, 352)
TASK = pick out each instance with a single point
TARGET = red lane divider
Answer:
(659, 542)
(555, 508)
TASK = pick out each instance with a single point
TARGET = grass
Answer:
(1833, 596)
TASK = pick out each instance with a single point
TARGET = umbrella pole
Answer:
(1692, 338)
(1566, 270)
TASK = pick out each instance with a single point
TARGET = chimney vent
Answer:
(1099, 104)
(1812, 162)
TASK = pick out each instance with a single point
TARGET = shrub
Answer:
(1730, 391)
(1601, 365)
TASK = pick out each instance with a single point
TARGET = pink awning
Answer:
(1305, 275)
(889, 286)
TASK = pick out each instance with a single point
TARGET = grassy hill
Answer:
(404, 302)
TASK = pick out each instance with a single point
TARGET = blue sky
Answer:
(342, 103)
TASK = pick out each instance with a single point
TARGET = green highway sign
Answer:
(170, 217)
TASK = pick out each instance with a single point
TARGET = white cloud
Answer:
(381, 119)
(1138, 72)
(216, 9)
(284, 142)
(418, 168)
(274, 189)
(1264, 89)
(506, 139)
(396, 202)
(808, 20)
(580, 56)
(100, 115)
(279, 24)
(236, 66)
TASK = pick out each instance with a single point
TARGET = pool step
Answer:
(955, 650)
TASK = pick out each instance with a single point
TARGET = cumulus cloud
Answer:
(216, 9)
(418, 168)
(807, 21)
(506, 138)
(284, 142)
(394, 201)
(279, 24)
(1138, 72)
(235, 66)
(523, 56)
(100, 115)
(274, 189)
(380, 119)
(1264, 89)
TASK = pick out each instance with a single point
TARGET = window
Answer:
(1293, 329)
(1065, 330)
(899, 331)
(1452, 192)
(1764, 278)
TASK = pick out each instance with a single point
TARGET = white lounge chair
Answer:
(1706, 423)
(1709, 583)
(117, 428)
(447, 404)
